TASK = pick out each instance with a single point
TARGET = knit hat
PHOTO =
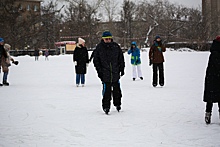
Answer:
(7, 46)
(157, 37)
(106, 34)
(1, 40)
(217, 38)
(81, 41)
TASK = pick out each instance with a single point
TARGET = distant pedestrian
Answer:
(135, 61)
(109, 63)
(212, 80)
(46, 54)
(81, 60)
(6, 64)
(36, 54)
(156, 58)
(2, 54)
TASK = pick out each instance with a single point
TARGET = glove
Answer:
(15, 62)
(122, 73)
(150, 62)
(100, 75)
(75, 63)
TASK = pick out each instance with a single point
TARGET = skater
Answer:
(46, 54)
(109, 63)
(6, 64)
(36, 54)
(135, 61)
(81, 60)
(2, 54)
(212, 80)
(156, 58)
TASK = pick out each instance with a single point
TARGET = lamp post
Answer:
(60, 35)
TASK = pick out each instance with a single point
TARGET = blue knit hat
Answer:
(106, 34)
(1, 40)
(157, 37)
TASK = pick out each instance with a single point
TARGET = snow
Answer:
(42, 107)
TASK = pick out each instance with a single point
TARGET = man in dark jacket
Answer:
(157, 59)
(2, 53)
(212, 80)
(109, 63)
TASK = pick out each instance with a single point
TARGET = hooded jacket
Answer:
(212, 78)
(109, 61)
(135, 54)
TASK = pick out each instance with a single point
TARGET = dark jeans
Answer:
(80, 77)
(156, 67)
(111, 90)
(210, 105)
(5, 75)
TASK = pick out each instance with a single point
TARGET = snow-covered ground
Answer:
(42, 107)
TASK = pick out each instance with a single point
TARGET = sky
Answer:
(42, 107)
(188, 3)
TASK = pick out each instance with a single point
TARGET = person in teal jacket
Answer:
(135, 61)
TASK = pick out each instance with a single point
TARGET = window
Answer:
(28, 7)
(35, 8)
(20, 7)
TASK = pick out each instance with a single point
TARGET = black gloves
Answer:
(150, 62)
(15, 62)
(122, 73)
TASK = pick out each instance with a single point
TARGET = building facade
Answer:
(211, 17)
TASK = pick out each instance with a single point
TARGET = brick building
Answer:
(211, 17)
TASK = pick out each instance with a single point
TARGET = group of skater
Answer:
(37, 53)
(108, 60)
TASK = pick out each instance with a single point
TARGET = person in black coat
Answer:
(36, 54)
(81, 60)
(212, 80)
(2, 53)
(109, 63)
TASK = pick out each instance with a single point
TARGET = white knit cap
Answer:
(7, 46)
(81, 41)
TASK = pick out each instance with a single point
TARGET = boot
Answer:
(5, 83)
(1, 84)
(106, 110)
(118, 108)
(208, 117)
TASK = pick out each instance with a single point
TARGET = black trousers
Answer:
(156, 67)
(111, 90)
(210, 105)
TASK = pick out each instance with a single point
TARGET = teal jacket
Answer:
(135, 54)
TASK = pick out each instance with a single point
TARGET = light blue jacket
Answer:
(135, 54)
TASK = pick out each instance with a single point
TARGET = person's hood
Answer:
(134, 43)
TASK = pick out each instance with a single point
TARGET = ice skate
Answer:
(118, 108)
(106, 110)
(208, 117)
(5, 83)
